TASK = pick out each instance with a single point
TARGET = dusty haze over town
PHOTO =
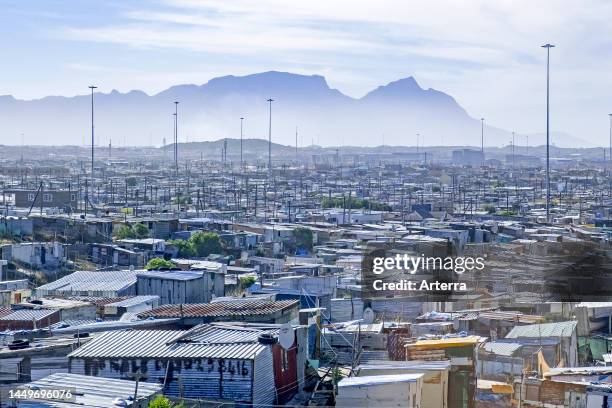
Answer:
(345, 73)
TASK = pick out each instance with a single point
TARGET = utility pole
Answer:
(137, 377)
(482, 139)
(296, 143)
(513, 151)
(92, 87)
(241, 161)
(548, 47)
(225, 152)
(270, 137)
(176, 169)
(610, 151)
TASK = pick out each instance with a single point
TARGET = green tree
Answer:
(354, 203)
(185, 248)
(159, 263)
(505, 213)
(131, 181)
(141, 230)
(206, 243)
(181, 200)
(303, 237)
(162, 402)
(489, 208)
(124, 232)
(246, 281)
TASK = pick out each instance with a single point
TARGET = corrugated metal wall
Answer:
(264, 391)
(173, 291)
(190, 378)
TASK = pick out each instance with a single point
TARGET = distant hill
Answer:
(249, 146)
(211, 111)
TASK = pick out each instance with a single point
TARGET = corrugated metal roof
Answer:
(28, 314)
(377, 379)
(208, 265)
(92, 281)
(117, 325)
(252, 307)
(559, 329)
(501, 348)
(593, 370)
(132, 301)
(222, 333)
(399, 365)
(509, 316)
(138, 343)
(165, 344)
(5, 311)
(447, 342)
(99, 301)
(91, 391)
(172, 275)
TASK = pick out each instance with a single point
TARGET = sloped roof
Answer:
(559, 329)
(205, 341)
(252, 307)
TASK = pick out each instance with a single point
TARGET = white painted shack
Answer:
(205, 362)
(435, 377)
(396, 390)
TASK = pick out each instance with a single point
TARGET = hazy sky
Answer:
(484, 53)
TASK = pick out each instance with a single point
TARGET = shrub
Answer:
(246, 281)
(206, 243)
(489, 208)
(124, 232)
(141, 230)
(159, 263)
(162, 402)
(303, 237)
(185, 248)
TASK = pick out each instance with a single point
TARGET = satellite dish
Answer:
(368, 316)
(286, 336)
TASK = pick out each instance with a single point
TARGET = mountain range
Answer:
(391, 114)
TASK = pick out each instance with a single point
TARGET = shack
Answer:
(204, 363)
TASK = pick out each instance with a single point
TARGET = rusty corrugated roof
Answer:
(255, 307)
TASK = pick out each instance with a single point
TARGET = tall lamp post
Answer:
(610, 151)
(482, 139)
(270, 137)
(92, 87)
(241, 162)
(176, 169)
(548, 47)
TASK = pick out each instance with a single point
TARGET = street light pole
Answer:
(174, 140)
(176, 169)
(241, 162)
(270, 137)
(482, 139)
(92, 139)
(610, 151)
(548, 47)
